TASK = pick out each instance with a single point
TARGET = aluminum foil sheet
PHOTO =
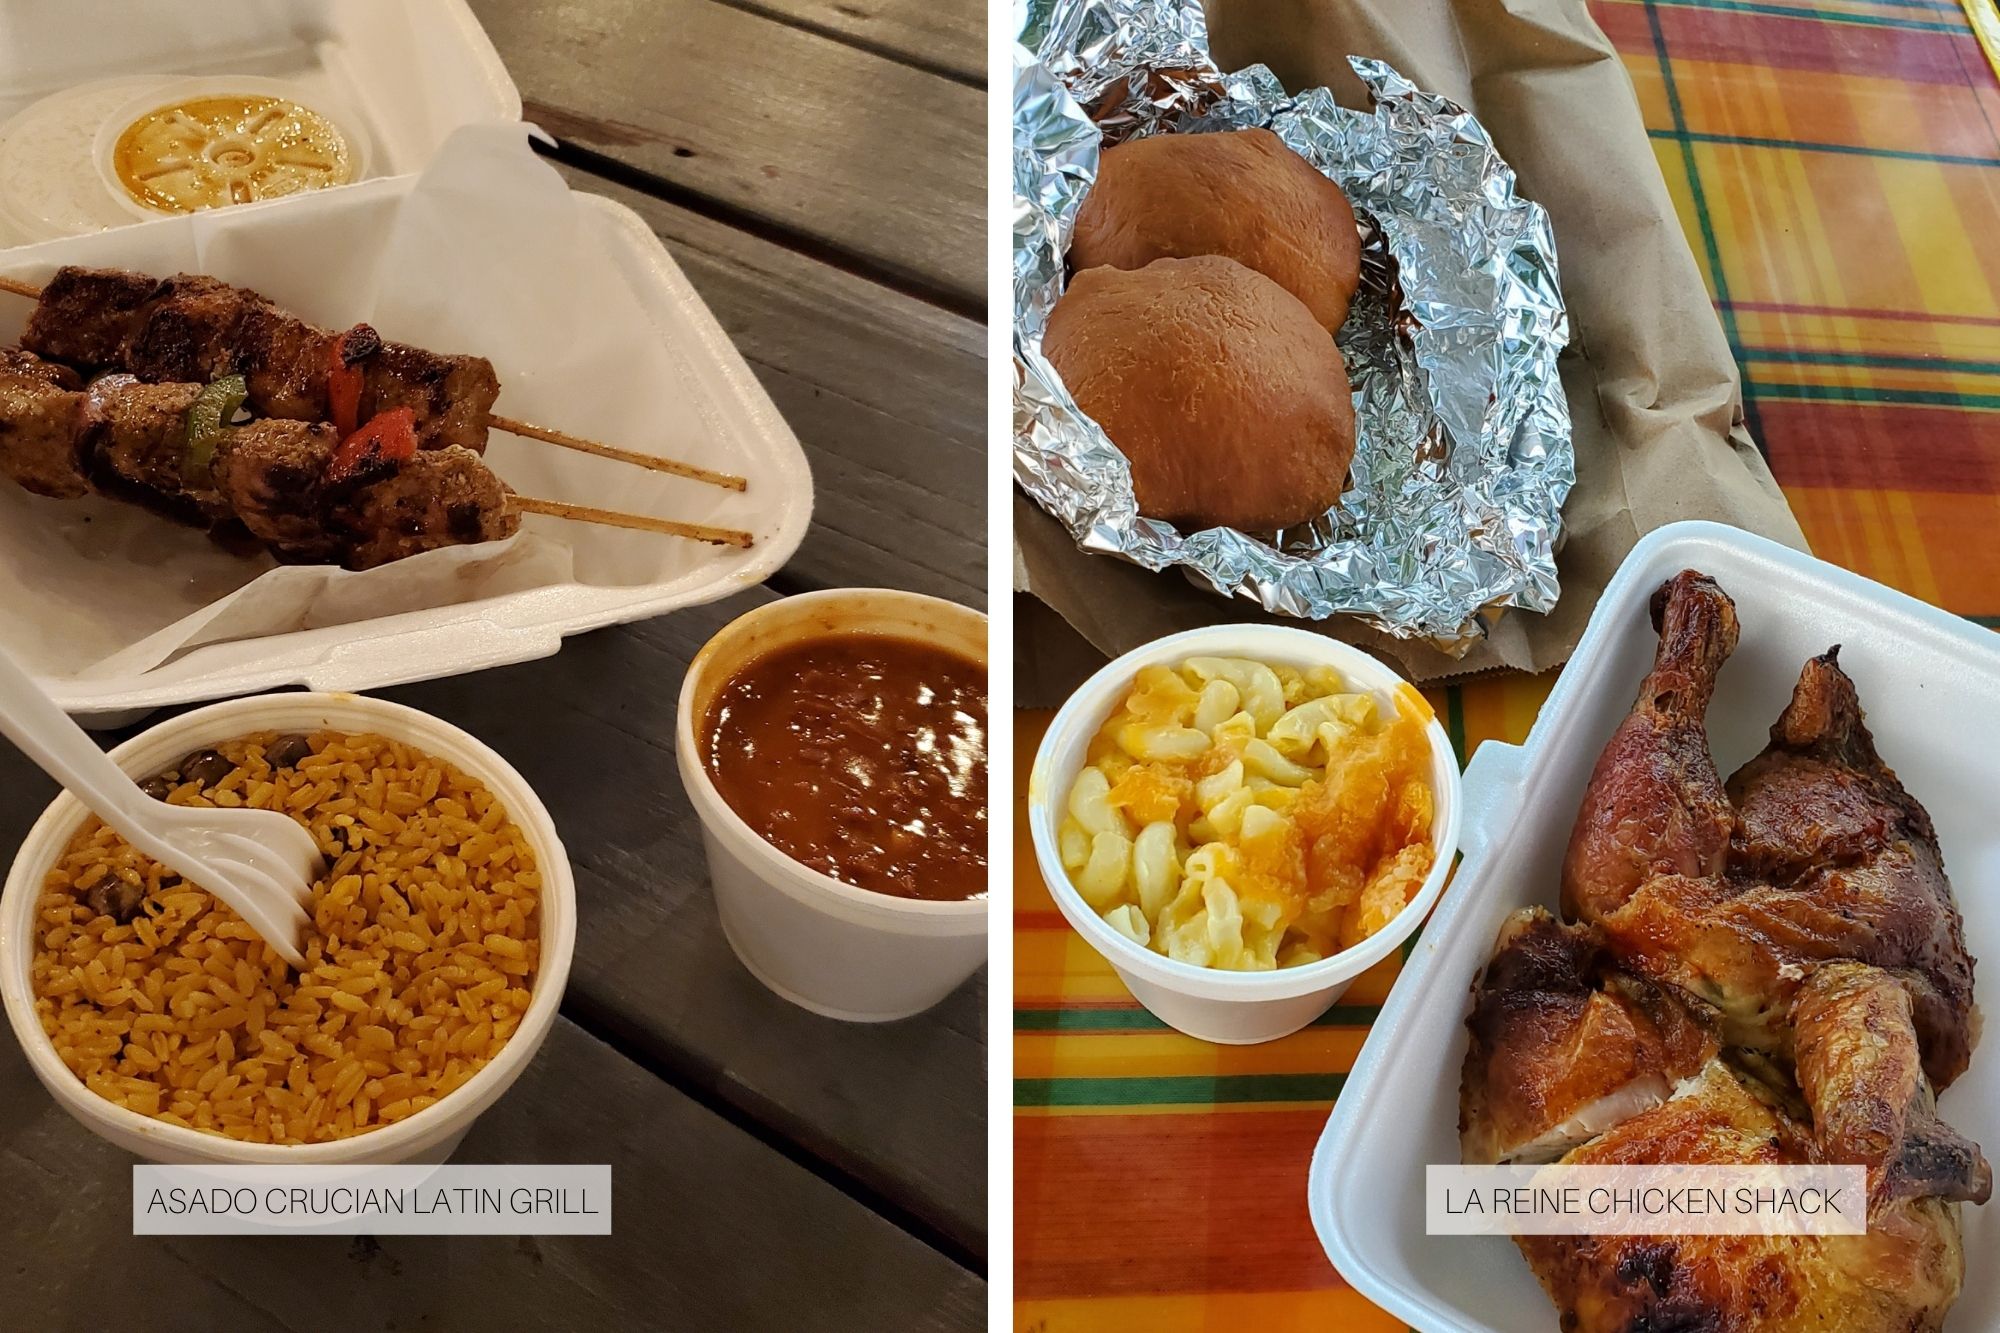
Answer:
(1462, 435)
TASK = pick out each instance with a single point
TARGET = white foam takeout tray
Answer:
(700, 401)
(411, 74)
(1930, 683)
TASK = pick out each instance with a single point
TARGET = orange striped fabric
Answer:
(1836, 164)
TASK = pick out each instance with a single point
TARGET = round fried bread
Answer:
(1238, 193)
(1227, 397)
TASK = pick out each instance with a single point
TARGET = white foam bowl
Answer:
(1930, 683)
(430, 1135)
(1234, 1008)
(830, 947)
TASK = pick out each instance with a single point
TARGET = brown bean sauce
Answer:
(862, 756)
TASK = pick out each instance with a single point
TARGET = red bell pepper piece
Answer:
(344, 375)
(387, 441)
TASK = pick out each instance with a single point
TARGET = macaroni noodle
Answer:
(1240, 815)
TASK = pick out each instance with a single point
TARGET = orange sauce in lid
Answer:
(210, 151)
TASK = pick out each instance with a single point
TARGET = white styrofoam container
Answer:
(1211, 1003)
(1930, 683)
(429, 1136)
(519, 626)
(828, 946)
(410, 73)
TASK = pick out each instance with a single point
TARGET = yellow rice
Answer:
(420, 961)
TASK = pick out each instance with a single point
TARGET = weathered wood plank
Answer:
(950, 36)
(873, 158)
(900, 1107)
(711, 1229)
(886, 392)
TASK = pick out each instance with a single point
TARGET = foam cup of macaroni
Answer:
(827, 946)
(1220, 1004)
(428, 1136)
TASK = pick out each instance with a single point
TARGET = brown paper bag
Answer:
(1652, 388)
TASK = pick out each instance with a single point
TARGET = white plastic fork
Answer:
(260, 862)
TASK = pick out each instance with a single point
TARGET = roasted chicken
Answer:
(1771, 969)
(1903, 1275)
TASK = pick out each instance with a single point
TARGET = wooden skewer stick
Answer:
(527, 429)
(612, 518)
(549, 435)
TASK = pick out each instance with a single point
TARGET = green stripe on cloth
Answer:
(1699, 198)
(1139, 1020)
(1178, 1090)
(1855, 393)
(1874, 360)
(1809, 146)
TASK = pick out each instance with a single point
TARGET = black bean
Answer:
(157, 786)
(115, 898)
(206, 767)
(286, 751)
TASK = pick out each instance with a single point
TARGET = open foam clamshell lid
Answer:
(397, 78)
(591, 327)
(1930, 682)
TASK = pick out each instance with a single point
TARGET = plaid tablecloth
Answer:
(1837, 167)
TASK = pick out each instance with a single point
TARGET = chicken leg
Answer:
(1812, 855)
(1655, 804)
(1855, 1052)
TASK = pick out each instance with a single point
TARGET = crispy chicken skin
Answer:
(1827, 858)
(1562, 1047)
(1802, 909)
(1901, 1277)
(1851, 863)
(1655, 804)
(1855, 1051)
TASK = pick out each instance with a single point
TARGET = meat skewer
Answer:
(294, 486)
(192, 328)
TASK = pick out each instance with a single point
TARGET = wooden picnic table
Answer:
(817, 170)
(1837, 169)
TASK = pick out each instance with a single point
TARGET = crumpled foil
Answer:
(1462, 453)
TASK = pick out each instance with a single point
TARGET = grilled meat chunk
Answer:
(196, 328)
(132, 444)
(284, 360)
(449, 395)
(87, 315)
(190, 331)
(440, 497)
(269, 472)
(40, 409)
